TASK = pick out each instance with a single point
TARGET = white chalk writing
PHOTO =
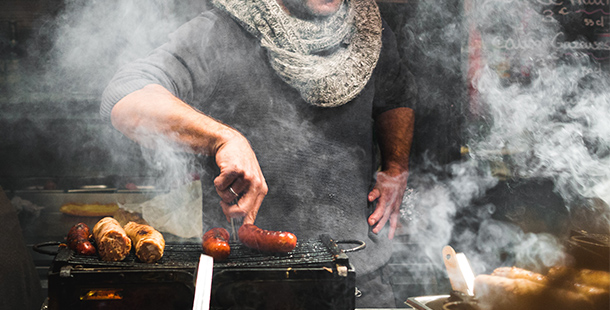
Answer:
(556, 42)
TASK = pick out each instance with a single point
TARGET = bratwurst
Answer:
(266, 240)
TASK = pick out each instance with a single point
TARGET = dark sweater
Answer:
(319, 163)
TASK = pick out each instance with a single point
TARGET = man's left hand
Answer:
(388, 191)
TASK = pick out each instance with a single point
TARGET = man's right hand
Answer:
(240, 180)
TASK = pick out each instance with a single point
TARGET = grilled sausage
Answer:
(216, 243)
(266, 240)
(148, 242)
(112, 241)
(78, 239)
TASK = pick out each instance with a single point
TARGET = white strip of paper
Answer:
(203, 284)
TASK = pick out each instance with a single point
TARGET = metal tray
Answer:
(433, 302)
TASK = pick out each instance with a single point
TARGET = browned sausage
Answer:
(216, 243)
(112, 241)
(78, 239)
(266, 240)
(149, 243)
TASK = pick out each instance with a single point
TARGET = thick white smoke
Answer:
(539, 110)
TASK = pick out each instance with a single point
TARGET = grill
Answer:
(315, 275)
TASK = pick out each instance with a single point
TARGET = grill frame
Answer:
(247, 279)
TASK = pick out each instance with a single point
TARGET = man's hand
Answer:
(388, 191)
(395, 132)
(241, 179)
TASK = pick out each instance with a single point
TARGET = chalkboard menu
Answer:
(514, 37)
(585, 28)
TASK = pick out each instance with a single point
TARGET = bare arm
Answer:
(395, 132)
(153, 113)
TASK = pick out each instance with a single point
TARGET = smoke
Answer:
(539, 111)
(91, 39)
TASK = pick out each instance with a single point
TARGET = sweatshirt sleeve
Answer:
(394, 84)
(192, 50)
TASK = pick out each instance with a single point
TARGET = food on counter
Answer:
(215, 243)
(78, 240)
(594, 278)
(515, 288)
(148, 242)
(131, 186)
(89, 209)
(519, 273)
(113, 244)
(123, 217)
(266, 240)
(49, 185)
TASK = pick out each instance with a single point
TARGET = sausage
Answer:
(78, 239)
(266, 240)
(216, 243)
(148, 242)
(112, 241)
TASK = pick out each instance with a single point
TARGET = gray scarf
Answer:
(328, 61)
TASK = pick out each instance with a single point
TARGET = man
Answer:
(285, 98)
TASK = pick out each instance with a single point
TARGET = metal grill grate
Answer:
(186, 255)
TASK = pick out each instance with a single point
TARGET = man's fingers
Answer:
(234, 190)
(378, 216)
(246, 207)
(381, 223)
(232, 210)
(226, 178)
(374, 194)
(384, 213)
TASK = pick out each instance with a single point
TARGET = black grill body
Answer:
(315, 275)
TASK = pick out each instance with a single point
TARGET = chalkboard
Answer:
(585, 27)
(514, 37)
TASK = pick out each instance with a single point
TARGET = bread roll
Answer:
(89, 209)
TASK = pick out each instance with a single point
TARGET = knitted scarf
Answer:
(329, 61)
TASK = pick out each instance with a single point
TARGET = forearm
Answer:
(395, 135)
(152, 112)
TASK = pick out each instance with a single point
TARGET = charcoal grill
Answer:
(315, 275)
